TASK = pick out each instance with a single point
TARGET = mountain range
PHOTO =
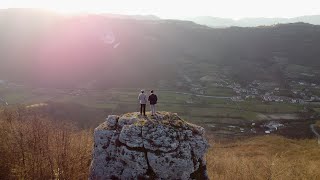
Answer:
(252, 22)
(46, 49)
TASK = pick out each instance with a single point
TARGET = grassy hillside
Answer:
(34, 146)
(266, 157)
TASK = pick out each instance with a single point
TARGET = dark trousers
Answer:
(143, 108)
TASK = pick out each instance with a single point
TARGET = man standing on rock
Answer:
(143, 101)
(153, 101)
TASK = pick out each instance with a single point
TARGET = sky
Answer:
(177, 9)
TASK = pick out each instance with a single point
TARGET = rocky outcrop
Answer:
(160, 147)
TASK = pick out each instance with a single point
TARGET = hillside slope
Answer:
(52, 50)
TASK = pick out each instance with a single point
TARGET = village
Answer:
(256, 89)
(298, 92)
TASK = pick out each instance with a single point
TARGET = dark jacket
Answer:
(153, 99)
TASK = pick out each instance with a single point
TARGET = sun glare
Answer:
(67, 7)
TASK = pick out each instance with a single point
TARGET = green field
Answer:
(218, 91)
(193, 108)
(317, 109)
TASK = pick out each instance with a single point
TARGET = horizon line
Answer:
(47, 10)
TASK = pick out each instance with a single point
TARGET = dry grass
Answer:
(267, 157)
(37, 147)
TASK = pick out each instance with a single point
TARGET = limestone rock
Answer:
(131, 135)
(160, 137)
(160, 147)
(112, 120)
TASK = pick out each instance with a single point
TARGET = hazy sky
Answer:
(177, 8)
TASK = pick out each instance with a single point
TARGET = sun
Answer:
(68, 8)
(60, 6)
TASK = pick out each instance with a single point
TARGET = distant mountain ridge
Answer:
(136, 17)
(252, 22)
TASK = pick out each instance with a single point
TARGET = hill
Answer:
(80, 51)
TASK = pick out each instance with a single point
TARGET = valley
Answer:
(235, 81)
(255, 90)
(224, 112)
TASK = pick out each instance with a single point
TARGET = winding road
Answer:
(312, 126)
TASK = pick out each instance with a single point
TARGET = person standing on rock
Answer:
(153, 101)
(143, 101)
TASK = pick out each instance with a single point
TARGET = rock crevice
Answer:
(165, 147)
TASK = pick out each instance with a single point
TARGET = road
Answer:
(200, 95)
(5, 102)
(312, 126)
